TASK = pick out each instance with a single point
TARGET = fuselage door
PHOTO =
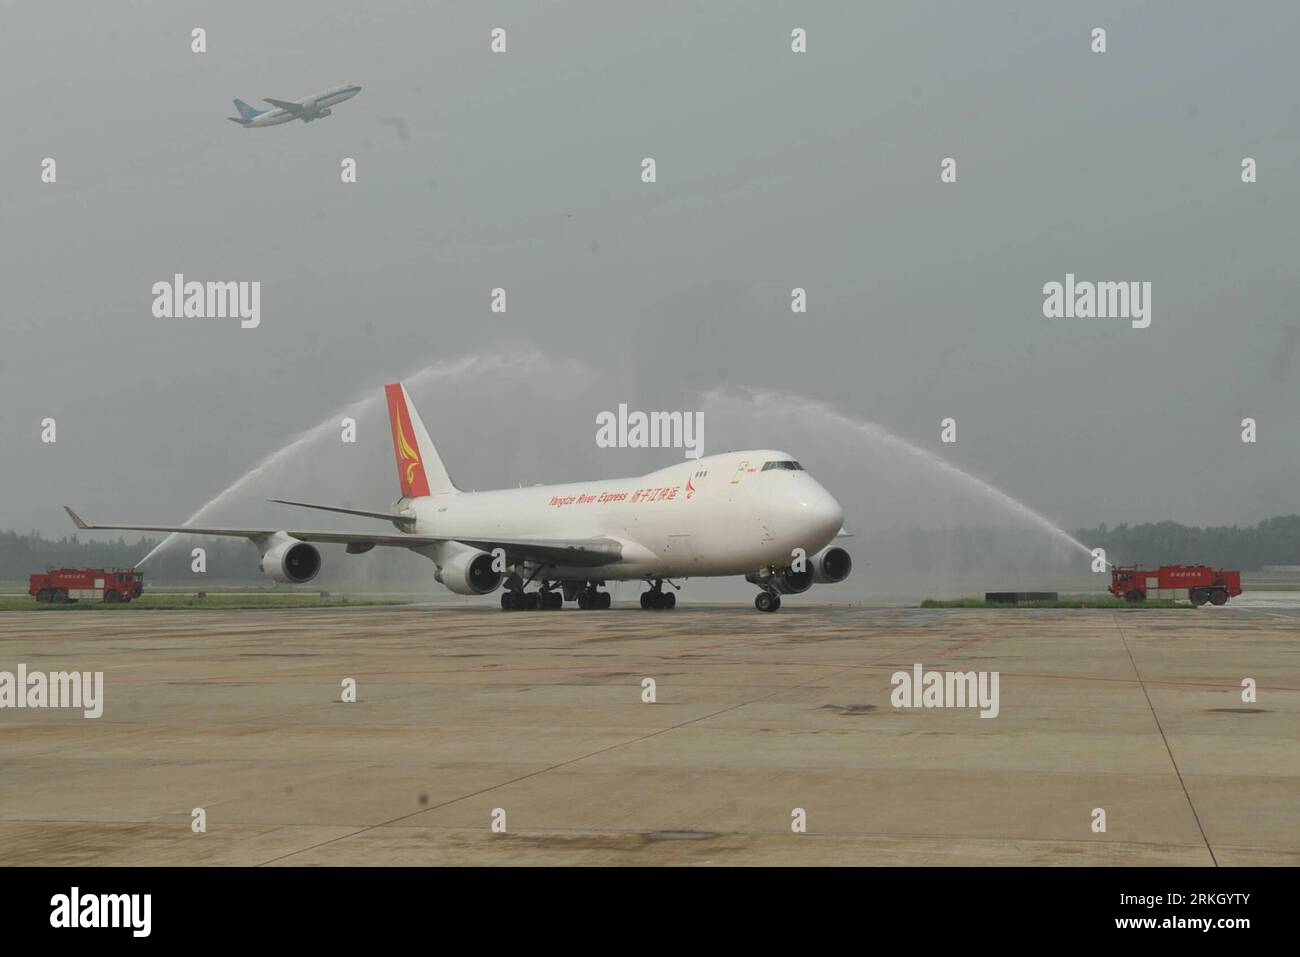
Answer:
(753, 500)
(681, 549)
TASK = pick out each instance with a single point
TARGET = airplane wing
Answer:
(286, 105)
(588, 552)
(396, 518)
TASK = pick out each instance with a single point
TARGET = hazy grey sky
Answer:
(775, 170)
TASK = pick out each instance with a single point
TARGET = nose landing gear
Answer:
(767, 601)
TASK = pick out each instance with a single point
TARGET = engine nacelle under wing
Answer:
(291, 562)
(469, 573)
(832, 564)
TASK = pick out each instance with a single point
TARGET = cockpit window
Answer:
(791, 466)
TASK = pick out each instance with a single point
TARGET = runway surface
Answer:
(461, 712)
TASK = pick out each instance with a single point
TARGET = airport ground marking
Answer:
(1168, 750)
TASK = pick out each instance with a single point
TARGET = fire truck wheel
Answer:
(60, 597)
(1219, 597)
(112, 597)
(1199, 597)
(43, 595)
(1134, 596)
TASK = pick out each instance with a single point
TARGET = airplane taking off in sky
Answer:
(311, 108)
(755, 513)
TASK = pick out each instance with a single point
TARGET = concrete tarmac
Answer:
(463, 713)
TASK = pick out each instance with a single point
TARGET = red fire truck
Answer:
(96, 584)
(1195, 583)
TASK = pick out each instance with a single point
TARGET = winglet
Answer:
(76, 519)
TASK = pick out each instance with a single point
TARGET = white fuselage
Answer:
(313, 106)
(717, 515)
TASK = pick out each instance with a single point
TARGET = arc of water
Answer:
(475, 365)
(822, 411)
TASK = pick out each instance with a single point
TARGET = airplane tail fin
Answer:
(246, 112)
(419, 469)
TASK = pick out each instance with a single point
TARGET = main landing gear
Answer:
(531, 601)
(589, 599)
(549, 598)
(657, 598)
(767, 601)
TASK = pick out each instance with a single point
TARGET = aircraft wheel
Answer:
(667, 600)
(606, 599)
(552, 600)
(1218, 597)
(532, 601)
(645, 599)
(508, 601)
(584, 602)
(766, 601)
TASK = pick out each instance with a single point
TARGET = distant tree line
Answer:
(229, 561)
(1274, 541)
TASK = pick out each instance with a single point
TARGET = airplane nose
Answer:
(818, 514)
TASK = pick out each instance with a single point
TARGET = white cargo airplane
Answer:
(311, 108)
(755, 513)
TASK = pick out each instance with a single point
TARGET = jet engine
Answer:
(469, 573)
(832, 564)
(292, 562)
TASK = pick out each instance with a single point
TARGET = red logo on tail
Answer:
(410, 470)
